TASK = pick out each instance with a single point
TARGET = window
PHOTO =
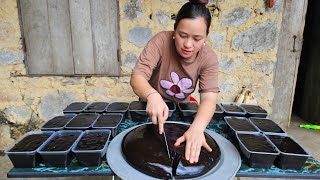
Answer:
(71, 37)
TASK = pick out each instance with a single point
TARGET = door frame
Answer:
(288, 59)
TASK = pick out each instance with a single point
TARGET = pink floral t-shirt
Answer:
(172, 77)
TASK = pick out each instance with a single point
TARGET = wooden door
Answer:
(288, 56)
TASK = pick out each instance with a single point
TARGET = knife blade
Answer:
(165, 140)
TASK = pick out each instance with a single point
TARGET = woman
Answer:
(169, 68)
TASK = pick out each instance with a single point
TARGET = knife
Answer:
(165, 140)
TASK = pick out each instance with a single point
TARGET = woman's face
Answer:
(190, 35)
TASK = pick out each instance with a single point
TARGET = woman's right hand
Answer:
(157, 110)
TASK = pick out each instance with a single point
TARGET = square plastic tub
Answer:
(91, 147)
(118, 107)
(23, 154)
(254, 110)
(239, 124)
(109, 121)
(82, 121)
(267, 126)
(56, 152)
(172, 107)
(292, 155)
(233, 109)
(219, 113)
(258, 150)
(57, 123)
(96, 107)
(188, 110)
(76, 107)
(137, 110)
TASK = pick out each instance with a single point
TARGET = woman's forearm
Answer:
(141, 86)
(205, 111)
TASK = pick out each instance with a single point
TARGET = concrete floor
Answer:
(310, 139)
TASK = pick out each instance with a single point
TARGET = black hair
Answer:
(192, 10)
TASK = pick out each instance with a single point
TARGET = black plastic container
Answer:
(233, 109)
(254, 110)
(258, 150)
(267, 126)
(76, 107)
(138, 111)
(82, 121)
(91, 147)
(188, 110)
(56, 151)
(109, 121)
(219, 113)
(171, 106)
(96, 107)
(117, 107)
(292, 155)
(239, 124)
(23, 154)
(57, 123)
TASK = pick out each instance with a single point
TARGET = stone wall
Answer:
(243, 34)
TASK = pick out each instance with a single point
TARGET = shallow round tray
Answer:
(226, 168)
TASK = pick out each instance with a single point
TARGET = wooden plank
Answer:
(104, 18)
(37, 38)
(293, 21)
(59, 27)
(82, 37)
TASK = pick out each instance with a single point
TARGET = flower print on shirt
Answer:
(178, 87)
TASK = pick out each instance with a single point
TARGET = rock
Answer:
(73, 81)
(18, 114)
(53, 104)
(10, 57)
(139, 36)
(262, 37)
(133, 9)
(131, 60)
(236, 17)
(5, 141)
(97, 92)
(217, 39)
(163, 18)
(229, 65)
(264, 66)
(229, 87)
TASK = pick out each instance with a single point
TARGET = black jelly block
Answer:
(232, 109)
(266, 125)
(76, 107)
(292, 155)
(258, 150)
(109, 121)
(91, 147)
(57, 123)
(138, 111)
(57, 150)
(96, 107)
(254, 110)
(23, 154)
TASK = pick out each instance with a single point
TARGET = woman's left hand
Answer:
(194, 139)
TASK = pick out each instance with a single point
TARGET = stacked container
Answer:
(91, 147)
(96, 107)
(75, 108)
(109, 121)
(23, 154)
(233, 109)
(56, 151)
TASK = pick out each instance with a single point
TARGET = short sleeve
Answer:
(208, 77)
(149, 57)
